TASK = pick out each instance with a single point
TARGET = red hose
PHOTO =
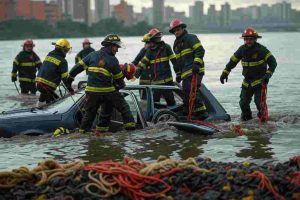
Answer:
(264, 114)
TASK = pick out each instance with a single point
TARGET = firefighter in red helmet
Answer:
(189, 54)
(87, 49)
(25, 66)
(258, 66)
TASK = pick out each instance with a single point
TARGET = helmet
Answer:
(62, 43)
(175, 23)
(28, 42)
(60, 131)
(154, 33)
(112, 39)
(146, 38)
(86, 41)
(128, 70)
(250, 32)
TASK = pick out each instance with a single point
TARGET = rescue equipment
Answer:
(264, 114)
(61, 131)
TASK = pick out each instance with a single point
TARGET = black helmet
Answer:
(112, 39)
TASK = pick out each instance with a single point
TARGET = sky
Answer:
(183, 5)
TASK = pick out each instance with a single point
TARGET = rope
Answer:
(264, 114)
(237, 129)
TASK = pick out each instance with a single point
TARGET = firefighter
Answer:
(189, 54)
(86, 45)
(105, 78)
(25, 67)
(52, 72)
(258, 67)
(157, 60)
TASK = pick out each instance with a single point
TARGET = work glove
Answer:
(70, 81)
(13, 79)
(265, 78)
(223, 77)
(195, 69)
(178, 78)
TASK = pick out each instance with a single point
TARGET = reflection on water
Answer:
(278, 140)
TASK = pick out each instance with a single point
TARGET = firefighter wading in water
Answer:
(157, 59)
(258, 66)
(25, 67)
(189, 54)
(53, 71)
(104, 80)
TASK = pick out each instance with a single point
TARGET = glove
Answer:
(223, 77)
(178, 78)
(70, 81)
(265, 78)
(13, 79)
(137, 73)
(196, 68)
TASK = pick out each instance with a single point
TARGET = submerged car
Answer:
(68, 111)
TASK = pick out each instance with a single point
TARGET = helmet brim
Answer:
(251, 37)
(181, 25)
(117, 43)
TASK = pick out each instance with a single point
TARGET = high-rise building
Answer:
(169, 14)
(124, 12)
(102, 9)
(52, 12)
(67, 9)
(286, 11)
(23, 8)
(212, 16)
(264, 11)
(197, 16)
(81, 10)
(225, 15)
(7, 10)
(148, 14)
(158, 12)
(38, 10)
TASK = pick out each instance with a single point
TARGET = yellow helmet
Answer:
(146, 38)
(62, 43)
(60, 131)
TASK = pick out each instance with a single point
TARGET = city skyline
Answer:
(179, 5)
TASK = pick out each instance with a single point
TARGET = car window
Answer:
(160, 97)
(63, 105)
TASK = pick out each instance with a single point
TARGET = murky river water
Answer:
(283, 101)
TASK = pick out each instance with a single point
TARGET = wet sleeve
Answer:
(139, 57)
(145, 61)
(77, 58)
(271, 61)
(38, 62)
(198, 51)
(234, 60)
(15, 67)
(118, 77)
(172, 58)
(79, 67)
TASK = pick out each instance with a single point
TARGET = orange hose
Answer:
(264, 114)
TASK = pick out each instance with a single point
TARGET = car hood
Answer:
(24, 115)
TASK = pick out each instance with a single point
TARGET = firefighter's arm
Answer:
(234, 60)
(142, 65)
(198, 50)
(65, 75)
(139, 57)
(38, 62)
(78, 68)
(172, 58)
(271, 61)
(117, 75)
(77, 58)
(15, 69)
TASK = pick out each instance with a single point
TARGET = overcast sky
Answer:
(182, 5)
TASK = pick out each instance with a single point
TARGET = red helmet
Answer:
(128, 70)
(28, 42)
(175, 23)
(86, 41)
(154, 33)
(250, 32)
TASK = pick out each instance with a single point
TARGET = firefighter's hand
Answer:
(13, 79)
(178, 78)
(196, 69)
(71, 90)
(223, 77)
(70, 81)
(137, 73)
(266, 78)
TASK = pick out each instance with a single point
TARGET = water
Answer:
(283, 102)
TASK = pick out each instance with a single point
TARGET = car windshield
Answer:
(64, 104)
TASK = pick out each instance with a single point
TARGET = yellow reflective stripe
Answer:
(162, 59)
(269, 72)
(99, 89)
(27, 64)
(245, 84)
(14, 74)
(26, 79)
(186, 73)
(172, 56)
(199, 60)
(184, 52)
(52, 60)
(197, 45)
(146, 59)
(252, 64)
(267, 56)
(129, 124)
(16, 62)
(49, 83)
(66, 74)
(142, 65)
(99, 70)
(226, 72)
(118, 76)
(234, 59)
(254, 83)
(163, 81)
(145, 81)
(202, 108)
(202, 69)
(102, 128)
(38, 62)
(83, 64)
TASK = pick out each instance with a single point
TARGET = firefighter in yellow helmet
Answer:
(53, 71)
